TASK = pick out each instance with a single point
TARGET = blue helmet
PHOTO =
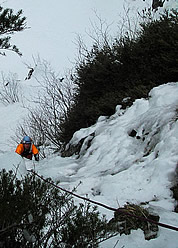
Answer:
(26, 140)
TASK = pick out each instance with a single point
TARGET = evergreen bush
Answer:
(35, 214)
(129, 68)
(9, 24)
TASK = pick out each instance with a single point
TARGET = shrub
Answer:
(10, 23)
(130, 67)
(9, 89)
(34, 212)
(52, 101)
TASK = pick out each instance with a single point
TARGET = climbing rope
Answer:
(122, 211)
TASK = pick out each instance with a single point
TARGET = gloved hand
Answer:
(36, 157)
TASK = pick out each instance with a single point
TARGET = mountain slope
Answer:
(114, 168)
(130, 157)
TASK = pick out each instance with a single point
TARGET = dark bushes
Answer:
(131, 67)
(35, 214)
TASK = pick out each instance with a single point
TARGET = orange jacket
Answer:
(20, 149)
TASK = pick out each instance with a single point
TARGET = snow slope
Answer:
(118, 168)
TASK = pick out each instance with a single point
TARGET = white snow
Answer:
(116, 168)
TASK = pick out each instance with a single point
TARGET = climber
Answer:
(27, 149)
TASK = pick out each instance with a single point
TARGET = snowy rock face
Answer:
(132, 156)
(139, 135)
(129, 157)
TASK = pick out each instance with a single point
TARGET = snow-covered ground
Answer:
(116, 168)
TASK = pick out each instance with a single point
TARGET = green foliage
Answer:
(9, 24)
(20, 199)
(81, 228)
(129, 68)
(35, 214)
